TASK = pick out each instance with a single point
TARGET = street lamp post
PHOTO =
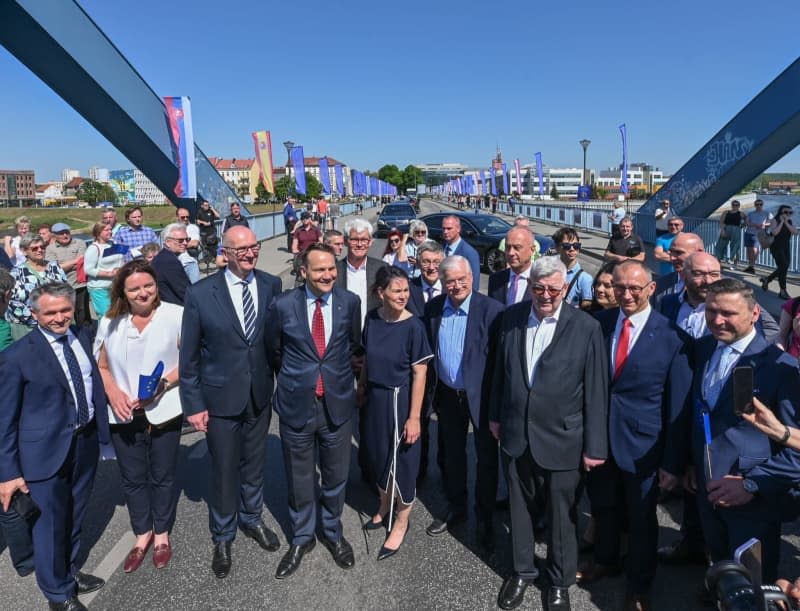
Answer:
(585, 144)
(289, 145)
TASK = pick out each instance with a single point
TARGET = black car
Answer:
(483, 232)
(395, 216)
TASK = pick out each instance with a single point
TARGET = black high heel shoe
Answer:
(764, 284)
(370, 525)
(386, 552)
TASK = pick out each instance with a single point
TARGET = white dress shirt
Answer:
(437, 289)
(327, 315)
(522, 284)
(538, 338)
(716, 373)
(83, 361)
(235, 289)
(357, 283)
(638, 322)
(692, 320)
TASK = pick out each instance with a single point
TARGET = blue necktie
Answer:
(511, 297)
(448, 251)
(249, 311)
(77, 380)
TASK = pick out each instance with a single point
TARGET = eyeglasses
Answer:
(394, 241)
(458, 282)
(632, 288)
(35, 247)
(358, 240)
(184, 218)
(429, 264)
(698, 273)
(540, 289)
(184, 240)
(242, 251)
(420, 233)
(570, 245)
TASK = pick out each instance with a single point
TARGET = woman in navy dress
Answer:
(392, 386)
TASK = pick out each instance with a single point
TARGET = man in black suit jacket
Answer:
(314, 334)
(548, 408)
(51, 426)
(172, 278)
(226, 383)
(510, 286)
(649, 380)
(461, 326)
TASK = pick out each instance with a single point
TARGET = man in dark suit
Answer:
(741, 476)
(462, 325)
(51, 426)
(454, 244)
(649, 383)
(548, 408)
(172, 278)
(226, 383)
(314, 333)
(510, 286)
(681, 247)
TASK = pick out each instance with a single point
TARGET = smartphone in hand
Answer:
(743, 390)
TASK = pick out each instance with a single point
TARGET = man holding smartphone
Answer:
(739, 475)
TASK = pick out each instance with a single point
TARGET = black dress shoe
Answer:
(221, 562)
(558, 599)
(73, 604)
(262, 535)
(88, 583)
(341, 551)
(512, 592)
(370, 525)
(291, 559)
(439, 527)
(682, 553)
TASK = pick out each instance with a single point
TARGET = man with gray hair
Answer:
(54, 468)
(462, 326)
(549, 409)
(172, 278)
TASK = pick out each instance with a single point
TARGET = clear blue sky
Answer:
(371, 82)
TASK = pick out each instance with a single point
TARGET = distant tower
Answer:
(497, 162)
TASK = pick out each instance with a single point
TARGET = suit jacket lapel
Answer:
(301, 312)
(263, 304)
(521, 328)
(643, 342)
(757, 345)
(223, 297)
(41, 343)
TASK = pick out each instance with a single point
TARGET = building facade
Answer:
(99, 174)
(17, 188)
(240, 174)
(68, 174)
(145, 192)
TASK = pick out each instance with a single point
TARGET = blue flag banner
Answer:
(299, 164)
(149, 384)
(624, 178)
(584, 192)
(505, 180)
(179, 121)
(539, 173)
(337, 172)
(494, 181)
(115, 249)
(324, 175)
(483, 182)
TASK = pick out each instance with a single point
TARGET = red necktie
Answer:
(318, 335)
(622, 347)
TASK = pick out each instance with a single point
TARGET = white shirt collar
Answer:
(532, 318)
(638, 319)
(350, 267)
(232, 279)
(740, 345)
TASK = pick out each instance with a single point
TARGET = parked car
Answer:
(394, 216)
(483, 232)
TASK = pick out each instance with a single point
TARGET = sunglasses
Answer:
(185, 240)
(570, 245)
(184, 218)
(394, 241)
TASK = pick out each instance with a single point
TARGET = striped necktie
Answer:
(249, 311)
(76, 376)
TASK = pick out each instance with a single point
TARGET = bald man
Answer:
(510, 286)
(682, 246)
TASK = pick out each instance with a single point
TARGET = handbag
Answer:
(764, 238)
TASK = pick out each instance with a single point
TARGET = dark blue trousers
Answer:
(332, 443)
(17, 533)
(63, 499)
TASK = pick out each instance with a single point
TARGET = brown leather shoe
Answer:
(161, 555)
(637, 602)
(591, 572)
(136, 557)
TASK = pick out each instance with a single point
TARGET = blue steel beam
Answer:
(759, 135)
(61, 44)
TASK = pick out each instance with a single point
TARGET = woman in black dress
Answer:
(782, 228)
(392, 386)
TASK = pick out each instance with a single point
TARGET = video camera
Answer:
(733, 586)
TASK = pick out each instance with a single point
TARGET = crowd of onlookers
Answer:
(612, 386)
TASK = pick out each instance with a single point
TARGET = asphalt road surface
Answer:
(447, 572)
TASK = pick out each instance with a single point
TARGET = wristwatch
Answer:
(749, 486)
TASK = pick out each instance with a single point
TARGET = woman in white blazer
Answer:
(136, 348)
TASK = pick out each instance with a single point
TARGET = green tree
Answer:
(411, 176)
(91, 192)
(284, 188)
(262, 195)
(391, 174)
(313, 188)
(554, 192)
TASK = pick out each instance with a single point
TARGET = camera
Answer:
(732, 585)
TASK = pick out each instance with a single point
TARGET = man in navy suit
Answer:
(226, 383)
(314, 336)
(681, 247)
(51, 426)
(510, 286)
(461, 326)
(171, 276)
(741, 476)
(455, 245)
(549, 401)
(649, 383)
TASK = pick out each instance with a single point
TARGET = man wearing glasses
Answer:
(192, 232)
(172, 277)
(548, 408)
(663, 242)
(579, 282)
(226, 384)
(756, 220)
